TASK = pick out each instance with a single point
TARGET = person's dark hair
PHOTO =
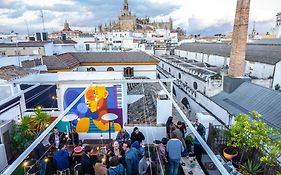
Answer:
(179, 123)
(146, 154)
(88, 149)
(61, 145)
(99, 158)
(128, 143)
(136, 128)
(170, 118)
(200, 129)
(173, 135)
(114, 161)
(164, 140)
(55, 128)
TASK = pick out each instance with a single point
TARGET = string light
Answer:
(46, 160)
(53, 110)
(46, 125)
(53, 97)
(25, 163)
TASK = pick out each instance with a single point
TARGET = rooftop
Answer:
(268, 54)
(248, 97)
(64, 42)
(71, 60)
(25, 44)
(13, 72)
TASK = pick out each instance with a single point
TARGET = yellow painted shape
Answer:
(117, 127)
(100, 125)
(83, 125)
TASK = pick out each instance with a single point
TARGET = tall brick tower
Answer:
(239, 39)
(238, 48)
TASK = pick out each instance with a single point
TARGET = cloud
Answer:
(195, 16)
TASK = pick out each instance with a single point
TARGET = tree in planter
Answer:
(28, 128)
(21, 135)
(40, 121)
(254, 134)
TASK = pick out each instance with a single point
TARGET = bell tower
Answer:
(125, 11)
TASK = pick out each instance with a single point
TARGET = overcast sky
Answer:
(206, 17)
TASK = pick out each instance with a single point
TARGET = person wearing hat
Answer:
(137, 136)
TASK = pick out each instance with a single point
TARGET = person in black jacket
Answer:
(57, 138)
(137, 136)
(74, 137)
(86, 162)
(169, 123)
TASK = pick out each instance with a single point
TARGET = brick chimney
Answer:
(238, 50)
(239, 39)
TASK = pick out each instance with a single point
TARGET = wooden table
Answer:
(97, 149)
(191, 164)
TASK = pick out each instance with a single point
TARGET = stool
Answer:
(33, 170)
(63, 172)
(78, 169)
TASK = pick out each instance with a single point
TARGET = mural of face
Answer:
(98, 100)
(95, 97)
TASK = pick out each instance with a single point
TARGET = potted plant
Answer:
(251, 168)
(229, 152)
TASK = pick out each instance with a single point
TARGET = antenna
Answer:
(42, 16)
(27, 28)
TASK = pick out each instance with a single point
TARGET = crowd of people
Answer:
(126, 154)
(177, 147)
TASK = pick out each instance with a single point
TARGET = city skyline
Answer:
(194, 16)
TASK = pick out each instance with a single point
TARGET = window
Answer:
(162, 65)
(169, 69)
(179, 75)
(110, 69)
(195, 86)
(128, 72)
(91, 69)
(158, 76)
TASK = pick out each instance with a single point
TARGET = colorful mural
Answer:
(97, 101)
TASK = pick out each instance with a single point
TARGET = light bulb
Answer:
(46, 159)
(25, 163)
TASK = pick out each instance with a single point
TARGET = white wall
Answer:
(16, 60)
(11, 114)
(139, 70)
(63, 48)
(263, 82)
(164, 110)
(194, 102)
(259, 70)
(256, 69)
(277, 74)
(49, 49)
(151, 133)
(185, 77)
